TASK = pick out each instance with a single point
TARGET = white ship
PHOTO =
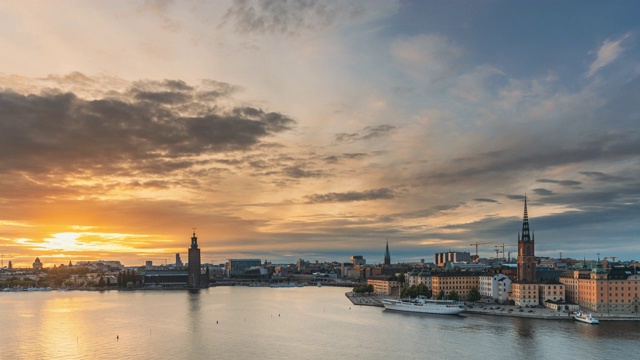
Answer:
(585, 318)
(423, 305)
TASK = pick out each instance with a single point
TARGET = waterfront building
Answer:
(179, 263)
(237, 267)
(525, 294)
(385, 285)
(460, 282)
(613, 290)
(194, 264)
(411, 278)
(441, 259)
(417, 277)
(496, 287)
(37, 265)
(165, 278)
(551, 292)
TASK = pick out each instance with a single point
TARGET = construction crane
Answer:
(498, 249)
(476, 245)
(509, 259)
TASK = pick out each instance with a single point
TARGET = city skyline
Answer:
(286, 130)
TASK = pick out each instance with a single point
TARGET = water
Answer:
(284, 323)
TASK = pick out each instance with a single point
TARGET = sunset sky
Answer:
(317, 129)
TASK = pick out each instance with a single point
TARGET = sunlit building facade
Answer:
(603, 290)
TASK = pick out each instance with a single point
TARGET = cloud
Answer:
(296, 172)
(486, 200)
(140, 128)
(367, 133)
(426, 56)
(292, 17)
(600, 176)
(542, 192)
(606, 54)
(560, 182)
(374, 194)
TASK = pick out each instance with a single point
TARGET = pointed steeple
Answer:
(525, 223)
(387, 255)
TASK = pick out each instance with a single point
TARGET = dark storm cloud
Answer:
(560, 182)
(374, 194)
(63, 131)
(367, 133)
(288, 17)
(622, 145)
(607, 197)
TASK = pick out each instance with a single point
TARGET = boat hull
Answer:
(423, 308)
(587, 320)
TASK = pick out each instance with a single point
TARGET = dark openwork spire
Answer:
(387, 255)
(525, 223)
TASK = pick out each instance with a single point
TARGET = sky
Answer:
(318, 130)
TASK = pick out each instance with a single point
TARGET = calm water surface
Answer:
(283, 323)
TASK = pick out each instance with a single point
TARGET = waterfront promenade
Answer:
(502, 310)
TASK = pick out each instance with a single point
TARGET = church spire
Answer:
(525, 223)
(387, 255)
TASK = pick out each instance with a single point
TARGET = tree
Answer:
(474, 295)
(361, 289)
(453, 296)
(440, 295)
(402, 279)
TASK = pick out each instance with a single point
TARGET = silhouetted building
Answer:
(179, 263)
(194, 263)
(237, 267)
(37, 265)
(358, 260)
(387, 255)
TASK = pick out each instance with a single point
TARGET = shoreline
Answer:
(538, 313)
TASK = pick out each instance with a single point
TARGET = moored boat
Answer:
(585, 318)
(423, 305)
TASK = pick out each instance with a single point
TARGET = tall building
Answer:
(441, 259)
(387, 256)
(194, 263)
(526, 251)
(358, 260)
(527, 290)
(37, 265)
(179, 263)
